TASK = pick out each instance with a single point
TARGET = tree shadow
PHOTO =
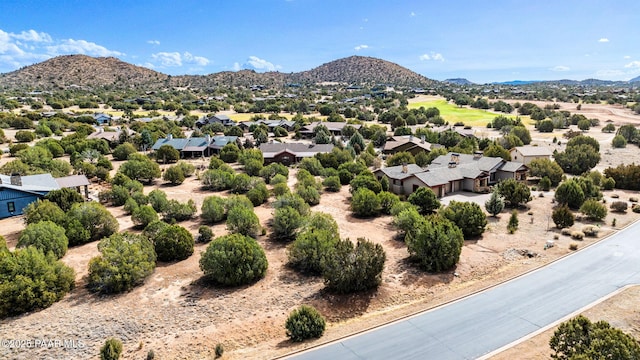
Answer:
(413, 275)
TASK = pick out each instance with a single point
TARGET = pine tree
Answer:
(513, 222)
(495, 204)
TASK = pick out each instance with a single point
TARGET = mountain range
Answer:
(83, 71)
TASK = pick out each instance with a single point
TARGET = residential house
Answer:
(195, 146)
(397, 175)
(526, 154)
(456, 172)
(112, 137)
(102, 118)
(335, 128)
(221, 119)
(16, 192)
(408, 143)
(289, 153)
(271, 124)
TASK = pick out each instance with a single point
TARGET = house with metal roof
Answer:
(526, 154)
(16, 191)
(195, 146)
(221, 119)
(335, 128)
(454, 172)
(289, 153)
(408, 143)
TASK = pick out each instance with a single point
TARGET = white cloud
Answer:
(627, 57)
(169, 59)
(32, 35)
(560, 68)
(633, 65)
(237, 66)
(148, 65)
(198, 60)
(432, 56)
(412, 14)
(256, 63)
(71, 46)
(608, 73)
(603, 40)
(361, 47)
(153, 42)
(175, 59)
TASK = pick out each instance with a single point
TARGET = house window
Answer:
(11, 206)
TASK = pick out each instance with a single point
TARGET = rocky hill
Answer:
(80, 70)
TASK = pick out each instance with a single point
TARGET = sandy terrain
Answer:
(177, 317)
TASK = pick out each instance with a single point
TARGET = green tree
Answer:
(468, 216)
(609, 128)
(593, 210)
(619, 142)
(387, 201)
(307, 253)
(365, 203)
(546, 126)
(64, 198)
(174, 175)
(144, 215)
(230, 153)
(332, 183)
(522, 133)
(305, 323)
(496, 150)
(400, 158)
(43, 210)
(407, 220)
(46, 236)
(243, 221)
(350, 269)
(158, 200)
(514, 192)
(173, 243)
(213, 209)
(141, 168)
(31, 280)
(570, 193)
(578, 159)
(512, 226)
(425, 200)
(122, 151)
(435, 244)
(495, 204)
(545, 184)
(177, 211)
(548, 168)
(89, 221)
(111, 350)
(233, 260)
(365, 180)
(125, 261)
(563, 217)
(167, 153)
(259, 193)
(286, 223)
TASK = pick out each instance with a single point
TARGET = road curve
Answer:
(479, 324)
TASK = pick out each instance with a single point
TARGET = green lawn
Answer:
(453, 114)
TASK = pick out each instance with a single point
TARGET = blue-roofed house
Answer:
(221, 119)
(102, 118)
(195, 146)
(16, 192)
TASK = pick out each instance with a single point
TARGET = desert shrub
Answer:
(365, 203)
(64, 198)
(309, 249)
(635, 208)
(89, 221)
(158, 200)
(153, 229)
(619, 141)
(233, 260)
(312, 165)
(31, 280)
(305, 323)
(573, 246)
(594, 210)
(468, 216)
(435, 244)
(515, 193)
(425, 200)
(512, 226)
(633, 199)
(205, 234)
(579, 338)
(46, 236)
(619, 206)
(174, 175)
(494, 205)
(578, 235)
(577, 159)
(387, 201)
(44, 210)
(590, 230)
(126, 260)
(294, 201)
(407, 219)
(608, 183)
(144, 215)
(258, 193)
(213, 209)
(310, 195)
(243, 221)
(349, 269)
(332, 183)
(129, 206)
(241, 184)
(25, 136)
(269, 172)
(141, 168)
(173, 243)
(219, 350)
(365, 180)
(111, 350)
(177, 211)
(253, 166)
(565, 232)
(230, 153)
(320, 221)
(217, 179)
(545, 184)
(280, 189)
(122, 151)
(570, 193)
(286, 223)
(563, 217)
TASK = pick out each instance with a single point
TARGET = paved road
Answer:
(479, 324)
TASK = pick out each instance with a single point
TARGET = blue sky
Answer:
(483, 41)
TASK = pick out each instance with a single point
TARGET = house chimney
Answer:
(405, 169)
(169, 136)
(208, 139)
(455, 158)
(422, 138)
(15, 179)
(477, 154)
(410, 137)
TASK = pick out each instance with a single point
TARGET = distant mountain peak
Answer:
(459, 81)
